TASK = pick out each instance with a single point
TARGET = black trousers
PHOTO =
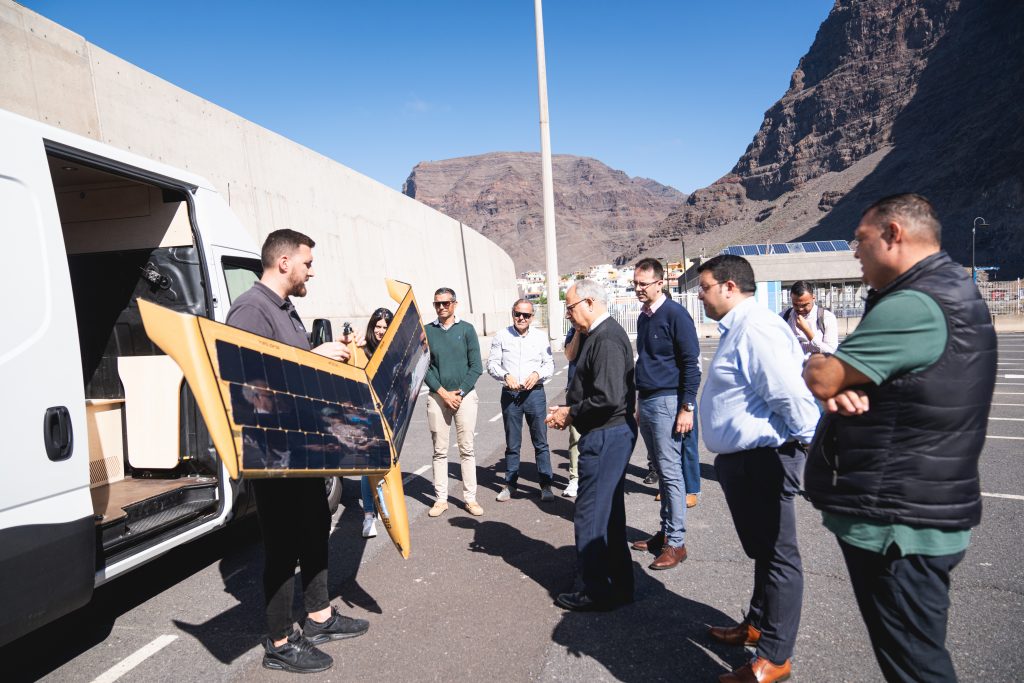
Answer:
(605, 565)
(905, 604)
(296, 522)
(760, 486)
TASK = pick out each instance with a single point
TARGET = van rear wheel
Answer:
(333, 493)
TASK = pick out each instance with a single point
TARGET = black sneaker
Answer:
(335, 628)
(298, 655)
(651, 478)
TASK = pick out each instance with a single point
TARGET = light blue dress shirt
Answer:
(519, 355)
(755, 394)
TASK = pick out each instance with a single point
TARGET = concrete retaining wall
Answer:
(364, 230)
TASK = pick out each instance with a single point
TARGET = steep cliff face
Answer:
(893, 96)
(599, 212)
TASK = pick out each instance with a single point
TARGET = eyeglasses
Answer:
(568, 309)
(444, 304)
(522, 314)
(644, 285)
(705, 287)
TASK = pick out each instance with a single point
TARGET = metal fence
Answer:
(845, 299)
(1003, 298)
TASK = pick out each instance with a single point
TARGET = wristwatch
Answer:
(688, 407)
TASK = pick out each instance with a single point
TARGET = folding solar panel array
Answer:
(295, 417)
(275, 410)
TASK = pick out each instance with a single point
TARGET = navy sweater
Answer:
(668, 354)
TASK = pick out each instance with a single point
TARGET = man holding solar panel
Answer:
(294, 516)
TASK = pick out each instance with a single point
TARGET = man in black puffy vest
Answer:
(894, 462)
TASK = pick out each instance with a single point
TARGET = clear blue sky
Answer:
(670, 90)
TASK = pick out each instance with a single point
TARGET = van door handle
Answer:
(58, 437)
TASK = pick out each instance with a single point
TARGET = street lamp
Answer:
(974, 269)
(682, 278)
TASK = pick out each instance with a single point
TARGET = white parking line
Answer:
(1014, 376)
(407, 478)
(495, 418)
(1019, 405)
(134, 659)
(1008, 438)
(1008, 419)
(558, 373)
(1011, 496)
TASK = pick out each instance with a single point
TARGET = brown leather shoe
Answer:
(657, 496)
(741, 634)
(759, 671)
(691, 500)
(670, 557)
(655, 543)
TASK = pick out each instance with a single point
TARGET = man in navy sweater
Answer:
(667, 378)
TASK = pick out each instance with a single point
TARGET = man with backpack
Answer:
(815, 327)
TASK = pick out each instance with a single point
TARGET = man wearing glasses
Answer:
(667, 379)
(602, 402)
(454, 369)
(758, 416)
(521, 360)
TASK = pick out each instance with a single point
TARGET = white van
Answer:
(107, 462)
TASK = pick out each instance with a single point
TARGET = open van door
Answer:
(47, 532)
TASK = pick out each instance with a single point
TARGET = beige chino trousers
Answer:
(439, 420)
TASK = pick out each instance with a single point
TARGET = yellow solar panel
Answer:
(274, 410)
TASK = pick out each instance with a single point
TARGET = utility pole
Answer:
(550, 245)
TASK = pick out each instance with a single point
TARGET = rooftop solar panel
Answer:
(841, 245)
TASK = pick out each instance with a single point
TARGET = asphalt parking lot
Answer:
(474, 601)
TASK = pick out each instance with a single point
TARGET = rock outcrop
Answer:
(893, 96)
(599, 212)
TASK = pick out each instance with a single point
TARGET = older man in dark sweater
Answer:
(601, 401)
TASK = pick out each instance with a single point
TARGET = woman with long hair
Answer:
(375, 329)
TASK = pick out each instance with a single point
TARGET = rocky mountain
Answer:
(893, 96)
(599, 212)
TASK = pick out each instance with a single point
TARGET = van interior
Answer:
(153, 469)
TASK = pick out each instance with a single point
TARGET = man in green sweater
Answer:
(454, 368)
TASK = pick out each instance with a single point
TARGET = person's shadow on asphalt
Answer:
(662, 636)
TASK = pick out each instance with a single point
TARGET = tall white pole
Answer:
(555, 313)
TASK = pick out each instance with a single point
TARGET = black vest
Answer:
(913, 457)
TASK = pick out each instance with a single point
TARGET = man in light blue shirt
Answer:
(759, 416)
(521, 360)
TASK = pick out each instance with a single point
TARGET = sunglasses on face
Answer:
(444, 304)
(522, 314)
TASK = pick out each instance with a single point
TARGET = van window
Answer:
(239, 274)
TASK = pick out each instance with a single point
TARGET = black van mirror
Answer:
(321, 333)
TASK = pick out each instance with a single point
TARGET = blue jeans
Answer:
(691, 458)
(534, 406)
(367, 491)
(667, 449)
